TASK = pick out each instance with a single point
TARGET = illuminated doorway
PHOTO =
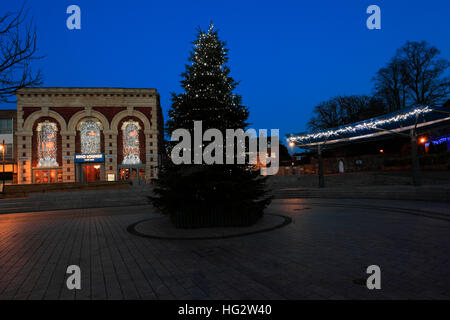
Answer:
(135, 173)
(91, 173)
(47, 175)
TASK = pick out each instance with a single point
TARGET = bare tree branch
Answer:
(342, 110)
(412, 77)
(17, 50)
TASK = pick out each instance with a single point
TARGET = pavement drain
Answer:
(301, 209)
(207, 252)
(360, 281)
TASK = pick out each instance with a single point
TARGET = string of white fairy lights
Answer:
(370, 124)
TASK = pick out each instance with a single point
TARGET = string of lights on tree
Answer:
(208, 88)
(361, 126)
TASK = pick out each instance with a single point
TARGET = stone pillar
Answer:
(110, 154)
(151, 152)
(68, 155)
(24, 157)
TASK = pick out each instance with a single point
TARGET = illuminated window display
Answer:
(90, 137)
(131, 143)
(47, 132)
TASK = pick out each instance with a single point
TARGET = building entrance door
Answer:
(91, 172)
(134, 174)
(341, 166)
(47, 175)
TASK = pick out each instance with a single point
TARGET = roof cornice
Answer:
(90, 91)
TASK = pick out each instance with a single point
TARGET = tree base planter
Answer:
(210, 219)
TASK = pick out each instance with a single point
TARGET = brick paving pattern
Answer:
(321, 255)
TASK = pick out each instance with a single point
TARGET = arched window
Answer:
(47, 132)
(90, 137)
(130, 130)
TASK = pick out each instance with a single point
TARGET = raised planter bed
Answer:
(25, 189)
(207, 218)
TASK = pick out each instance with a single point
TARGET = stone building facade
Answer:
(8, 167)
(88, 134)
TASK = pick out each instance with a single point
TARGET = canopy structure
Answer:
(400, 122)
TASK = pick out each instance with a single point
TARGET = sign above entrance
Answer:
(96, 157)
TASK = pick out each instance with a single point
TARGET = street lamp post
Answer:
(2, 149)
(415, 159)
(320, 162)
(291, 144)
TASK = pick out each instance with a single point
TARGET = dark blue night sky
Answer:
(288, 55)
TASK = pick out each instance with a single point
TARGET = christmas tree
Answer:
(197, 195)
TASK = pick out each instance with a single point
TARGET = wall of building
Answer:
(331, 165)
(7, 137)
(68, 106)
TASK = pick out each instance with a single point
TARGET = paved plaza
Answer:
(322, 254)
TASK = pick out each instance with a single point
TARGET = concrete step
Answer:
(76, 200)
(426, 193)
